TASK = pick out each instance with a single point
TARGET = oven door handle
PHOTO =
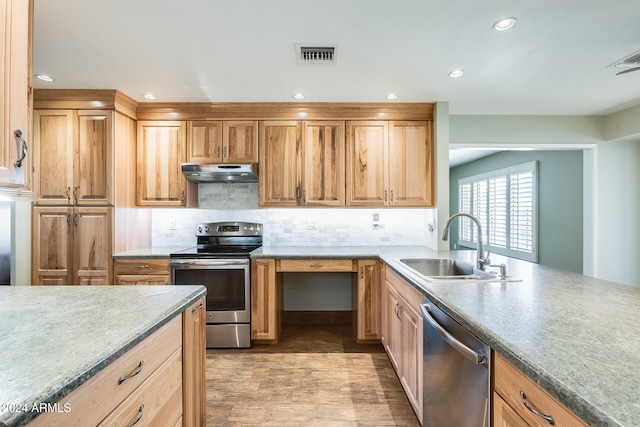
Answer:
(207, 263)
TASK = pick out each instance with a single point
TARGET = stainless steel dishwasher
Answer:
(456, 373)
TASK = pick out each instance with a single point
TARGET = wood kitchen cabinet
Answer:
(194, 348)
(161, 150)
(168, 387)
(16, 27)
(368, 297)
(217, 141)
(71, 245)
(302, 163)
(389, 163)
(266, 294)
(402, 335)
(142, 271)
(73, 157)
(512, 388)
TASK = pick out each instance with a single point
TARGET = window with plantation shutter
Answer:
(504, 202)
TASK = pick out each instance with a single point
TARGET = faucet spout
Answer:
(481, 259)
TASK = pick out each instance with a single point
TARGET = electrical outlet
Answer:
(172, 224)
(311, 225)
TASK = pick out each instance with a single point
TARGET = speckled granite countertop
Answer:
(54, 338)
(578, 337)
(150, 252)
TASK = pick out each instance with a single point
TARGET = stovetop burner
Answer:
(223, 240)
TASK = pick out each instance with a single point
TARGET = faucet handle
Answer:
(484, 259)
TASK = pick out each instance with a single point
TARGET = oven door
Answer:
(227, 282)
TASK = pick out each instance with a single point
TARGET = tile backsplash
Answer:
(292, 226)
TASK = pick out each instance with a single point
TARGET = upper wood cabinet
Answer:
(73, 157)
(389, 163)
(302, 163)
(72, 245)
(161, 150)
(16, 19)
(217, 141)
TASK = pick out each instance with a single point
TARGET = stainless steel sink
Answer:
(446, 269)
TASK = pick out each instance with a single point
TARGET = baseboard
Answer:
(317, 317)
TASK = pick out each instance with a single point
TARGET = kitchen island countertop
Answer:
(54, 338)
(576, 336)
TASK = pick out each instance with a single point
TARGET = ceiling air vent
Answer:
(628, 63)
(315, 54)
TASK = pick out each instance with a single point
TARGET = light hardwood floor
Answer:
(315, 376)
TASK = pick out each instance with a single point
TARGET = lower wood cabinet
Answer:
(402, 335)
(367, 300)
(142, 271)
(159, 382)
(72, 245)
(516, 397)
(266, 300)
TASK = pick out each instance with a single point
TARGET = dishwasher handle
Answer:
(476, 358)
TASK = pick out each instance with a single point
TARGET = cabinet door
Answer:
(240, 142)
(411, 371)
(368, 322)
(54, 156)
(264, 303)
(280, 163)
(410, 164)
(16, 27)
(161, 151)
(367, 166)
(92, 183)
(324, 158)
(52, 242)
(205, 142)
(393, 325)
(194, 349)
(92, 246)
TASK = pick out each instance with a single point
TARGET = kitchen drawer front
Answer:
(96, 398)
(408, 292)
(141, 266)
(310, 265)
(143, 279)
(157, 402)
(509, 382)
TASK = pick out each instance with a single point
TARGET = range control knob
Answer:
(199, 228)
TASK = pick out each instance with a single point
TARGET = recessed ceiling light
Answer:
(504, 24)
(149, 96)
(298, 95)
(456, 73)
(45, 77)
(392, 96)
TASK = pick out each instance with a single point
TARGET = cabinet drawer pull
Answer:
(133, 374)
(315, 265)
(139, 417)
(18, 134)
(262, 262)
(194, 309)
(549, 418)
(140, 267)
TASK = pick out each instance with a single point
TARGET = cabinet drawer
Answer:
(96, 398)
(509, 382)
(143, 279)
(157, 402)
(310, 265)
(141, 266)
(408, 292)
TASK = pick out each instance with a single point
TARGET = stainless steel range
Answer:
(220, 261)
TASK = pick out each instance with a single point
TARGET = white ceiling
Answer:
(553, 61)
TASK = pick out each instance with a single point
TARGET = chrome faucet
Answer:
(482, 259)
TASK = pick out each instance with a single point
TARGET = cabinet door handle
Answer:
(392, 195)
(133, 374)
(75, 219)
(182, 196)
(362, 271)
(298, 194)
(527, 405)
(139, 417)
(18, 134)
(218, 151)
(224, 152)
(199, 307)
(68, 220)
(69, 194)
(75, 195)
(304, 196)
(385, 195)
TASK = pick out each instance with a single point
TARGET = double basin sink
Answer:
(447, 269)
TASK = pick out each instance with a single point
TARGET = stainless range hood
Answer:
(220, 172)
